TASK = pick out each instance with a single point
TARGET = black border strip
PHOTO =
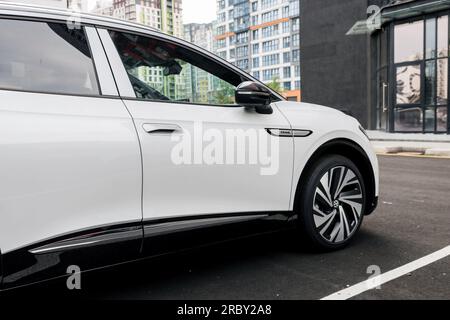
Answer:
(100, 231)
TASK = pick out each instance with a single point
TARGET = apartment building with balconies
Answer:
(164, 15)
(262, 37)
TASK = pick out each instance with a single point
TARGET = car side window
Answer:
(165, 71)
(45, 57)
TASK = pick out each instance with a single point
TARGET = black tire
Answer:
(342, 219)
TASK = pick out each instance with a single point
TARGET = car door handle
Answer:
(161, 128)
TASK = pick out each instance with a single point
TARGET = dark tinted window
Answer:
(162, 70)
(45, 57)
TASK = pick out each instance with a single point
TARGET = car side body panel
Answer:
(70, 163)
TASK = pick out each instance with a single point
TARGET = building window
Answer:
(294, 8)
(296, 40)
(222, 54)
(221, 43)
(271, 45)
(286, 42)
(295, 25)
(232, 53)
(254, 20)
(242, 38)
(287, 85)
(408, 84)
(286, 27)
(255, 6)
(255, 63)
(269, 16)
(286, 72)
(221, 17)
(286, 12)
(271, 60)
(286, 57)
(242, 52)
(270, 31)
(256, 48)
(408, 42)
(296, 55)
(220, 30)
(271, 74)
(421, 75)
(242, 64)
(265, 4)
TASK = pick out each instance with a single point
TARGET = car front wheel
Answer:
(332, 202)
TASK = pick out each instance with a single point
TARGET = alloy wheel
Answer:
(338, 204)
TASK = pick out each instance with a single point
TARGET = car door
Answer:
(204, 158)
(70, 189)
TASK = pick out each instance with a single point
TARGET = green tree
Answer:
(224, 94)
(275, 85)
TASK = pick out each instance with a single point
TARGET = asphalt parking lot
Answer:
(412, 221)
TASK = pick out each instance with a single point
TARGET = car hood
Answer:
(306, 115)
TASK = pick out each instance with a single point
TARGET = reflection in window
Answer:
(408, 42)
(408, 84)
(443, 36)
(430, 38)
(429, 119)
(429, 50)
(408, 119)
(430, 81)
(442, 118)
(442, 81)
(161, 70)
(45, 57)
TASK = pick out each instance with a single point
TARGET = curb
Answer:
(382, 136)
(446, 140)
(421, 151)
(438, 152)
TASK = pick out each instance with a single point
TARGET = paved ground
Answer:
(413, 220)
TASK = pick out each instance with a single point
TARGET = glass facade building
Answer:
(411, 80)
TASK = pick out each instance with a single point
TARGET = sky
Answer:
(199, 11)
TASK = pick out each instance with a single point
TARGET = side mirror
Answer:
(251, 94)
(172, 68)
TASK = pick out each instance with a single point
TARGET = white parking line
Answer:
(388, 276)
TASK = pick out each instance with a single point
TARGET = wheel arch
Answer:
(353, 152)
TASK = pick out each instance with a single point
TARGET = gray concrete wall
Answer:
(335, 67)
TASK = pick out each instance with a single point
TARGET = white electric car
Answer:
(116, 143)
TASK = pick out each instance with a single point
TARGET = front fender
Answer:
(305, 149)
